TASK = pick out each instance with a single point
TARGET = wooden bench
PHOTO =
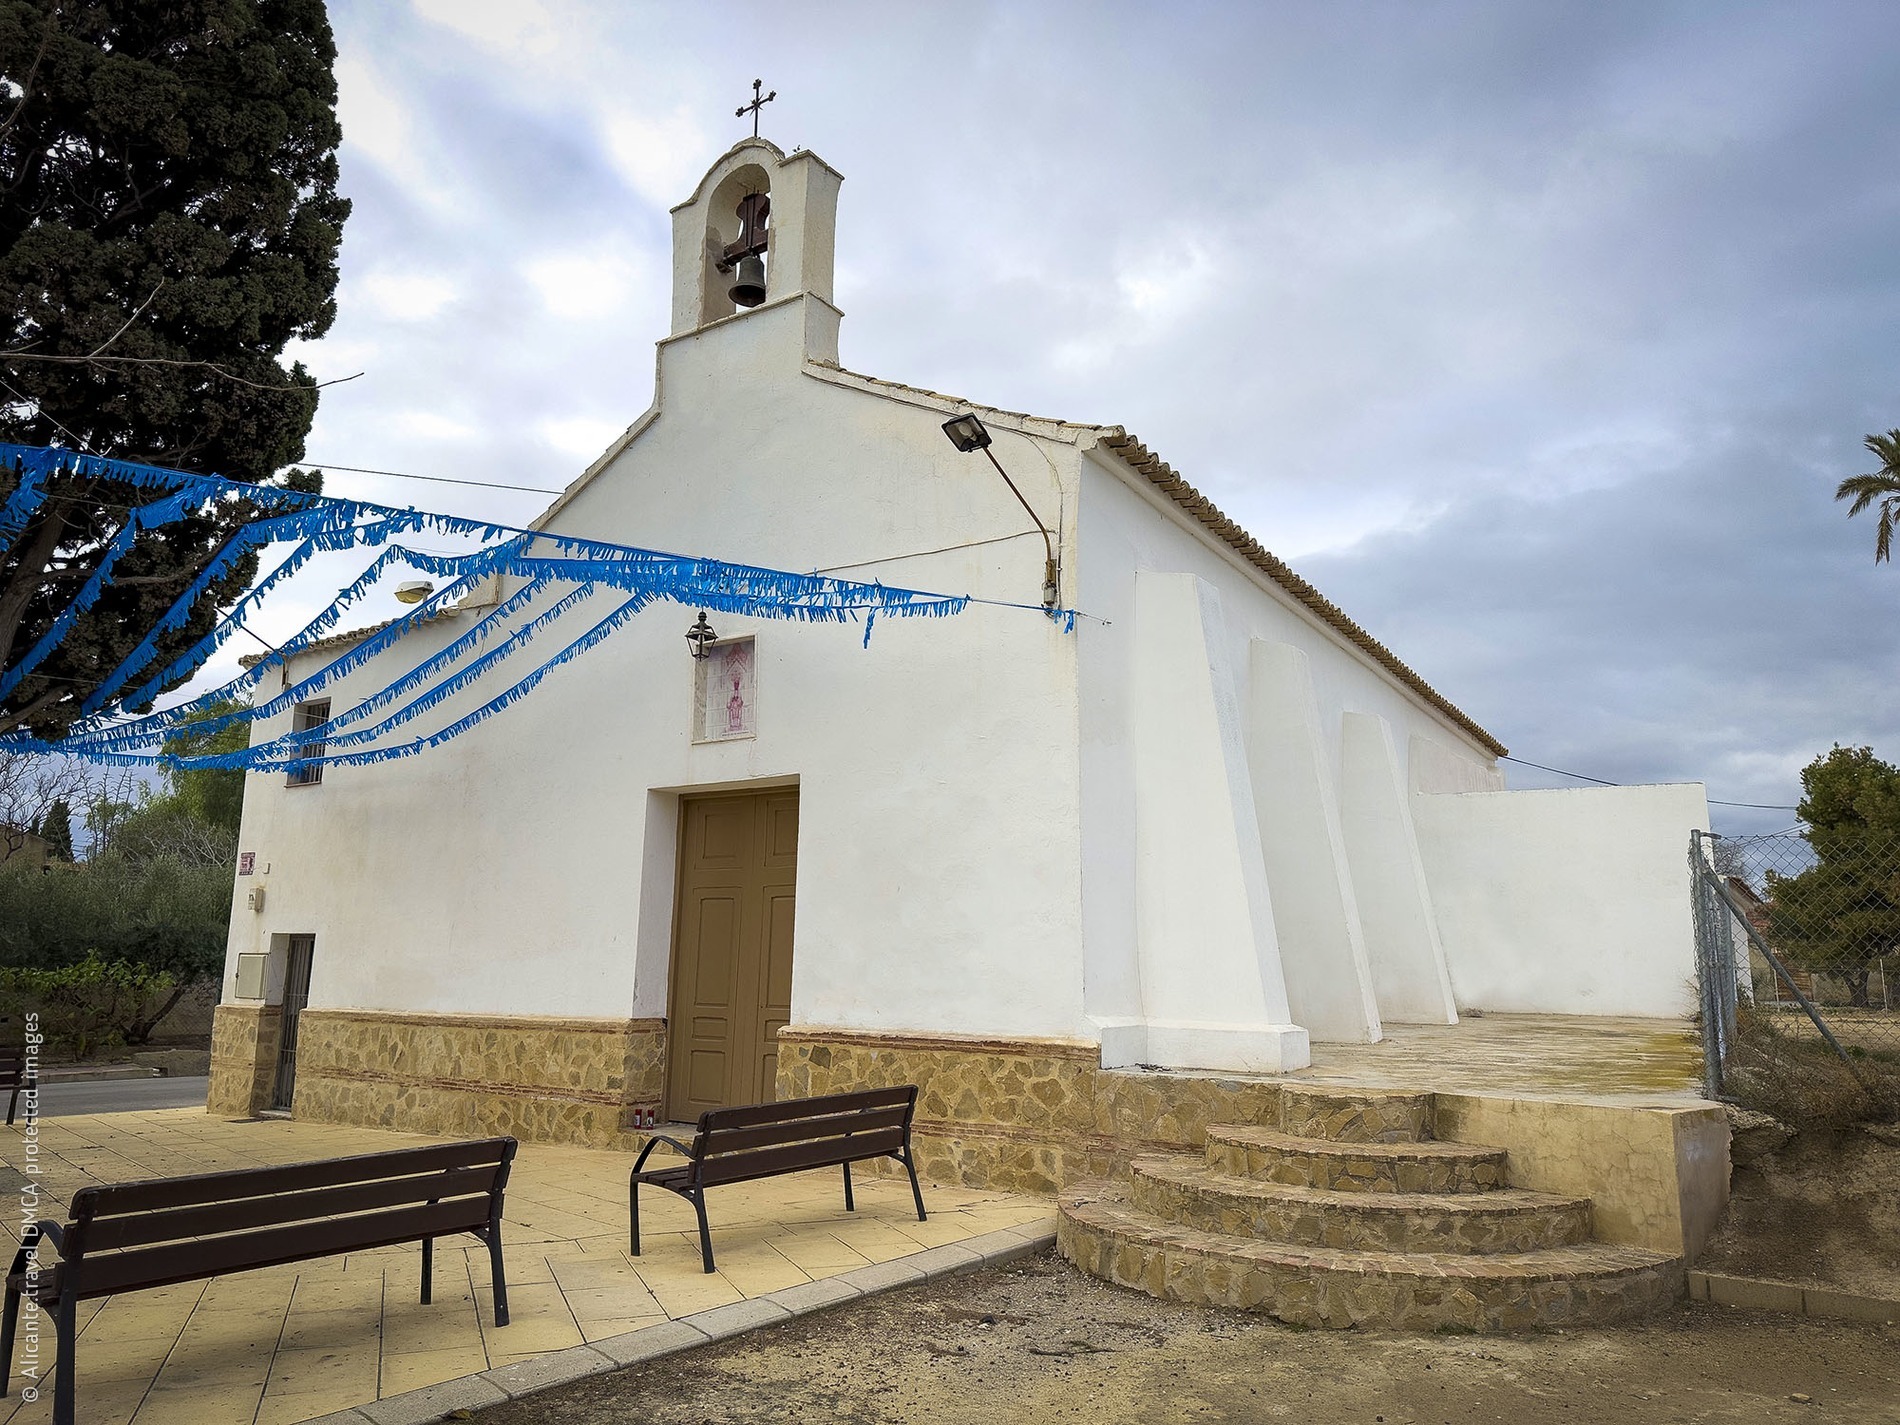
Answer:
(737, 1145)
(16, 1074)
(130, 1236)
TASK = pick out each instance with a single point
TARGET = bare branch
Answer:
(29, 786)
(137, 312)
(32, 72)
(210, 366)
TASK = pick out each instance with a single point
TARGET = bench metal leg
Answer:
(10, 1314)
(428, 1269)
(633, 1212)
(9, 1325)
(497, 1275)
(849, 1205)
(705, 1232)
(31, 1088)
(63, 1369)
(915, 1191)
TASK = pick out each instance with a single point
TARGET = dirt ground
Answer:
(1037, 1341)
(1824, 1209)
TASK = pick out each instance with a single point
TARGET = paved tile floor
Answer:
(287, 1344)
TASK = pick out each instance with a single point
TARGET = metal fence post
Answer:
(1716, 1008)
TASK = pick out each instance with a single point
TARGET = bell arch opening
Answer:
(734, 221)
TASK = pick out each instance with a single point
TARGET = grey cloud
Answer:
(1536, 335)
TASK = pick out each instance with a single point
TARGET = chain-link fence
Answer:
(1798, 947)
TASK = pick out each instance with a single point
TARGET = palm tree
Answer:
(1883, 485)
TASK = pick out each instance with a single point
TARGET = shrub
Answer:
(164, 913)
(91, 1006)
(1795, 1076)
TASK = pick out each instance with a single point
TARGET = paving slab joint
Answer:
(520, 1378)
(1011, 1244)
(651, 1342)
(807, 1297)
(951, 1257)
(719, 1322)
(434, 1402)
(882, 1276)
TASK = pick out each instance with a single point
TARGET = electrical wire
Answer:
(432, 479)
(925, 553)
(1713, 801)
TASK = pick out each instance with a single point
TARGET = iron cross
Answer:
(756, 105)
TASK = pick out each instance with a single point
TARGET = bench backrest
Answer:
(761, 1140)
(163, 1230)
(12, 1068)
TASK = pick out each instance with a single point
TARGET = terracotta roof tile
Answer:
(1158, 473)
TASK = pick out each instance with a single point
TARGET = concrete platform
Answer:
(1600, 1107)
(1605, 1060)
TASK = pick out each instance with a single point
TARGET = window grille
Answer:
(308, 715)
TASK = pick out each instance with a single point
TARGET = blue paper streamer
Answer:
(563, 572)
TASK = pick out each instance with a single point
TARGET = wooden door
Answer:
(732, 950)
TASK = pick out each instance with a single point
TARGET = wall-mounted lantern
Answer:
(700, 637)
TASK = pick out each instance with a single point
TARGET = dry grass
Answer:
(1790, 1073)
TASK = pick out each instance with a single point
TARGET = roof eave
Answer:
(1146, 464)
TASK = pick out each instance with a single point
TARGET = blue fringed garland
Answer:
(108, 731)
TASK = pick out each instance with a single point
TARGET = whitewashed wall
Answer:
(1127, 527)
(528, 866)
(1565, 902)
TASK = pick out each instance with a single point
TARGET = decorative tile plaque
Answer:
(724, 705)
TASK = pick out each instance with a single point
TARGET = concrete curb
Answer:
(511, 1382)
(1760, 1295)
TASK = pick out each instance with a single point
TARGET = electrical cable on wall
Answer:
(1581, 777)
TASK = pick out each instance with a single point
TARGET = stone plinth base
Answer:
(540, 1079)
(1023, 1115)
(244, 1043)
(1020, 1115)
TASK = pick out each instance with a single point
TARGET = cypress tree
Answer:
(169, 222)
(56, 830)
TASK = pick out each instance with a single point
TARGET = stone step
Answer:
(1272, 1156)
(1103, 1234)
(1355, 1115)
(1183, 1189)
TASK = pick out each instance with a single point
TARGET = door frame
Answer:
(681, 796)
(300, 951)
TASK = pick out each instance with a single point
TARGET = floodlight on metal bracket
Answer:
(967, 433)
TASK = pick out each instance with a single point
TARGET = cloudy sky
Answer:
(1537, 336)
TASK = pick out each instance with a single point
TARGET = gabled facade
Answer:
(1213, 823)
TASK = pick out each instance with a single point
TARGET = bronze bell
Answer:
(748, 282)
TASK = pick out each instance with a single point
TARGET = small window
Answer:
(308, 715)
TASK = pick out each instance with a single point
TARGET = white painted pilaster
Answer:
(1409, 975)
(1329, 982)
(1213, 995)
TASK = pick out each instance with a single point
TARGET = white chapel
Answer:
(1207, 825)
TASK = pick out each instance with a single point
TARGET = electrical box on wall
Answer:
(250, 976)
(254, 898)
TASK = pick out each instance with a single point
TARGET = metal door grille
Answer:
(296, 995)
